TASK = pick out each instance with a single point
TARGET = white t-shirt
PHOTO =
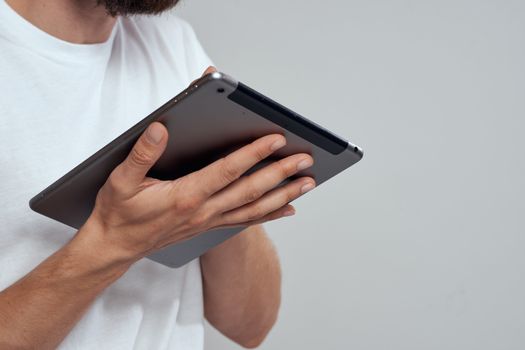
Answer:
(61, 102)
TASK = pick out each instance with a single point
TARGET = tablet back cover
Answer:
(210, 119)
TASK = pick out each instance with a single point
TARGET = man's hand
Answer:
(138, 215)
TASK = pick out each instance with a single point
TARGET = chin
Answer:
(136, 7)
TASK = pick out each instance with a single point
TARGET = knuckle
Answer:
(223, 219)
(201, 219)
(188, 204)
(283, 169)
(259, 153)
(140, 156)
(115, 183)
(228, 170)
(252, 194)
(255, 213)
(291, 193)
(290, 196)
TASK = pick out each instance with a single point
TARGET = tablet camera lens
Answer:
(220, 90)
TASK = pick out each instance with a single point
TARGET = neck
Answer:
(76, 21)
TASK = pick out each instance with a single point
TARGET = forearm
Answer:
(242, 285)
(40, 309)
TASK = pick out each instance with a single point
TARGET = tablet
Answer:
(213, 117)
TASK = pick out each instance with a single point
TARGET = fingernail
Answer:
(278, 144)
(308, 187)
(155, 133)
(305, 163)
(289, 212)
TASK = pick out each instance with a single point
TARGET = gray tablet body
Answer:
(211, 118)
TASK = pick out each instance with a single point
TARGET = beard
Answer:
(136, 7)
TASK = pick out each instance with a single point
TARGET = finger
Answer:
(147, 150)
(254, 186)
(208, 70)
(270, 202)
(285, 211)
(224, 171)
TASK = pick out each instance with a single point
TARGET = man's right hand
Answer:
(137, 215)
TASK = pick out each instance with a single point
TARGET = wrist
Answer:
(100, 252)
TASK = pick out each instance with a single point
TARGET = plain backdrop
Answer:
(421, 244)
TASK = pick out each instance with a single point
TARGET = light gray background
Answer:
(421, 245)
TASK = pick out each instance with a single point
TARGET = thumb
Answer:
(144, 155)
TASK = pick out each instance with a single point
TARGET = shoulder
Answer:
(167, 25)
(170, 31)
(171, 36)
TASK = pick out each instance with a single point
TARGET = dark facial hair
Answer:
(136, 7)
